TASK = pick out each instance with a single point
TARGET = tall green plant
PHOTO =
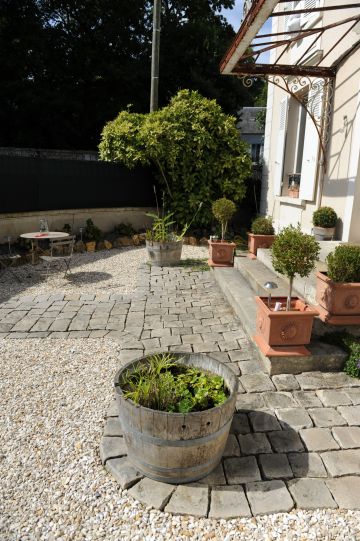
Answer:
(194, 146)
(294, 252)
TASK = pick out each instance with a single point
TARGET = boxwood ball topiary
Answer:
(262, 225)
(325, 217)
(344, 264)
(223, 210)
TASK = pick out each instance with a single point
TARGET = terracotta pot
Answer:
(293, 193)
(284, 328)
(324, 233)
(338, 299)
(90, 246)
(259, 241)
(221, 253)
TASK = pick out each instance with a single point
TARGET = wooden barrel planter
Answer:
(163, 254)
(174, 447)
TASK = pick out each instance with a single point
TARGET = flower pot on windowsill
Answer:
(259, 241)
(221, 253)
(339, 302)
(284, 332)
(293, 192)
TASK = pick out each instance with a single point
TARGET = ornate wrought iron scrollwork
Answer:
(315, 95)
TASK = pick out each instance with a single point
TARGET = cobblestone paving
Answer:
(295, 440)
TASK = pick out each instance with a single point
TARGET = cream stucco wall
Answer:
(339, 186)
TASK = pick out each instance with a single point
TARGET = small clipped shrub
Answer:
(124, 230)
(91, 232)
(344, 264)
(165, 385)
(325, 217)
(223, 209)
(351, 344)
(262, 225)
(294, 252)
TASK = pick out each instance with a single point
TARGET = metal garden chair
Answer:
(61, 252)
(8, 260)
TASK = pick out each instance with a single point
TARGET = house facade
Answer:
(311, 152)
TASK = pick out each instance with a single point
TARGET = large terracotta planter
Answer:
(221, 253)
(339, 301)
(324, 233)
(259, 241)
(284, 328)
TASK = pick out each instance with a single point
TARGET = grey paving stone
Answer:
(250, 367)
(205, 348)
(3, 335)
(241, 355)
(112, 410)
(228, 502)
(98, 333)
(25, 324)
(275, 466)
(192, 339)
(346, 491)
(285, 441)
(232, 446)
(37, 334)
(5, 327)
(333, 397)
(338, 380)
(113, 427)
(250, 402)
(42, 325)
(348, 437)
(18, 335)
(309, 381)
(241, 470)
(152, 493)
(285, 382)
(240, 424)
(311, 494)
(125, 474)
(254, 444)
(60, 325)
(160, 332)
(221, 356)
(269, 497)
(318, 439)
(127, 355)
(228, 346)
(189, 500)
(170, 341)
(279, 400)
(295, 418)
(112, 448)
(354, 395)
(262, 421)
(182, 348)
(257, 383)
(326, 417)
(351, 414)
(307, 399)
(307, 465)
(79, 334)
(79, 323)
(216, 477)
(344, 462)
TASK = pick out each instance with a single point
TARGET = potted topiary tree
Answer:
(338, 289)
(290, 325)
(221, 252)
(176, 411)
(92, 235)
(324, 220)
(262, 234)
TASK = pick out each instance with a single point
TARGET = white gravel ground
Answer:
(53, 397)
(113, 271)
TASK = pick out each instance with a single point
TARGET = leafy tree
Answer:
(68, 66)
(195, 147)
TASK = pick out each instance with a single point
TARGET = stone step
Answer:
(240, 295)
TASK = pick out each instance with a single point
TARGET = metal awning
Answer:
(317, 74)
(242, 57)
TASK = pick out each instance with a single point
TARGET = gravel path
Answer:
(53, 398)
(113, 271)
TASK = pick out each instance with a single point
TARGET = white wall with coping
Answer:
(105, 218)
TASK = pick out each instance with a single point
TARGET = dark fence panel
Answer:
(37, 184)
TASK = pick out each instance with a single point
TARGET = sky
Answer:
(234, 17)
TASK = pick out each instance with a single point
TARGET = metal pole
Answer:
(155, 53)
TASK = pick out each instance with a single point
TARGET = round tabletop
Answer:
(38, 235)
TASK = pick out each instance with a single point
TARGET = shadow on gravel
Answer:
(88, 277)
